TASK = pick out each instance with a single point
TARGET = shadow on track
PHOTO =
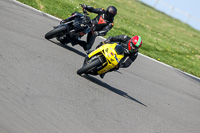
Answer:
(117, 91)
(69, 48)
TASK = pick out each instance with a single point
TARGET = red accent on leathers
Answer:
(101, 21)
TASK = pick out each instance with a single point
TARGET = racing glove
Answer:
(83, 6)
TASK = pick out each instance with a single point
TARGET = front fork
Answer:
(98, 57)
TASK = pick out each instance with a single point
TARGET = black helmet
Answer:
(111, 11)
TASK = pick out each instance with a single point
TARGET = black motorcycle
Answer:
(74, 27)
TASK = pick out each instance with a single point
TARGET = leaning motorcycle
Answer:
(103, 59)
(76, 26)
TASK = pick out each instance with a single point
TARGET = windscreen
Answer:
(119, 49)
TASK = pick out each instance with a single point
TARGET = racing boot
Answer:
(102, 75)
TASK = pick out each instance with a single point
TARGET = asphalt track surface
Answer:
(40, 91)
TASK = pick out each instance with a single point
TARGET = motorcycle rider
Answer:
(131, 46)
(102, 24)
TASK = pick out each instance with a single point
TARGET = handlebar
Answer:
(84, 10)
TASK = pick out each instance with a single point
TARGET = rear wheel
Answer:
(53, 33)
(85, 69)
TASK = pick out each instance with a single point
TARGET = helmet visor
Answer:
(133, 47)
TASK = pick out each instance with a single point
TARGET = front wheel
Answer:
(85, 69)
(54, 33)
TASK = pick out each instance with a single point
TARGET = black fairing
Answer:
(77, 26)
(74, 15)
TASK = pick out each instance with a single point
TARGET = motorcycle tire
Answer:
(53, 33)
(87, 67)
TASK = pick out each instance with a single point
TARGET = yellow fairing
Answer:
(108, 51)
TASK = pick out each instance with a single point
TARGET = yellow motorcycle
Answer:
(102, 59)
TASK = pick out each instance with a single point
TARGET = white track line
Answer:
(103, 38)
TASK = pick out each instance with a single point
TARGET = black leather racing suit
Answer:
(102, 25)
(129, 57)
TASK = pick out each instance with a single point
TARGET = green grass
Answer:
(164, 38)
